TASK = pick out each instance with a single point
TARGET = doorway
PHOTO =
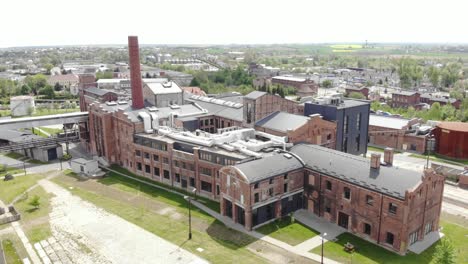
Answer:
(343, 220)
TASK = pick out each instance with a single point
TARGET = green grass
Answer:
(11, 255)
(14, 155)
(441, 159)
(38, 232)
(368, 252)
(28, 212)
(288, 231)
(52, 131)
(213, 205)
(11, 189)
(40, 133)
(346, 46)
(220, 244)
(11, 170)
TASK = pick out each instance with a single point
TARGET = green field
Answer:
(291, 232)
(369, 253)
(346, 46)
(140, 205)
(11, 189)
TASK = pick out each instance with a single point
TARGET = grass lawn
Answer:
(28, 212)
(220, 244)
(14, 155)
(52, 131)
(370, 253)
(11, 255)
(287, 231)
(169, 197)
(11, 170)
(11, 189)
(38, 232)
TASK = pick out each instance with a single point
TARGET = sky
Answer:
(83, 22)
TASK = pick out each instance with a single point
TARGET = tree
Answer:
(58, 87)
(195, 82)
(25, 90)
(356, 95)
(433, 74)
(444, 253)
(450, 74)
(48, 92)
(48, 67)
(35, 201)
(327, 84)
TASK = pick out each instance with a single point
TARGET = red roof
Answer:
(454, 126)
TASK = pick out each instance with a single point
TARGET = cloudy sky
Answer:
(59, 22)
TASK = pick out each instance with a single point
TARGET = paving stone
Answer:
(37, 246)
(44, 243)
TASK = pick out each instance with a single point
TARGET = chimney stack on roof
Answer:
(135, 74)
(388, 156)
(375, 161)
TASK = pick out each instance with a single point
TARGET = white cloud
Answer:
(55, 22)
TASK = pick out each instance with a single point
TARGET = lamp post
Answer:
(189, 199)
(323, 238)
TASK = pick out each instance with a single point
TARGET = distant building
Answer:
(361, 90)
(398, 133)
(405, 99)
(22, 105)
(261, 70)
(304, 86)
(299, 129)
(65, 80)
(163, 94)
(351, 116)
(452, 139)
(194, 90)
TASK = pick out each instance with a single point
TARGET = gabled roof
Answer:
(282, 121)
(97, 91)
(391, 181)
(269, 166)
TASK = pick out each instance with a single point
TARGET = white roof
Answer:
(289, 78)
(388, 121)
(164, 88)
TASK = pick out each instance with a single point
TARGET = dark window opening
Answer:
(369, 200)
(192, 182)
(367, 229)
(285, 187)
(392, 208)
(156, 171)
(329, 185)
(166, 174)
(177, 177)
(347, 193)
(390, 238)
(139, 166)
(256, 186)
(206, 186)
(147, 169)
(256, 197)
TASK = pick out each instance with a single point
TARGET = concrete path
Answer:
(319, 224)
(111, 238)
(32, 254)
(429, 239)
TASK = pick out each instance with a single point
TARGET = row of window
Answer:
(392, 208)
(216, 159)
(184, 165)
(151, 143)
(270, 181)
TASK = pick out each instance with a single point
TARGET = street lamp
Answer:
(323, 238)
(189, 199)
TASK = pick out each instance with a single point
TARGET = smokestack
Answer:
(135, 74)
(388, 156)
(375, 161)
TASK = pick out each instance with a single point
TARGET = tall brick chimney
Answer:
(388, 156)
(375, 161)
(135, 74)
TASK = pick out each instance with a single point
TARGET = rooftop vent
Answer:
(167, 84)
(122, 102)
(174, 106)
(111, 103)
(288, 156)
(152, 109)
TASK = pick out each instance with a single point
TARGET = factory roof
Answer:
(454, 126)
(282, 121)
(97, 91)
(392, 181)
(388, 121)
(270, 166)
(255, 94)
(163, 87)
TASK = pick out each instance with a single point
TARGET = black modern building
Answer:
(352, 117)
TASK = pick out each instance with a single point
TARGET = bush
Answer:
(66, 157)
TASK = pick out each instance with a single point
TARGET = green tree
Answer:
(356, 95)
(25, 89)
(433, 74)
(58, 87)
(327, 84)
(48, 92)
(35, 202)
(450, 74)
(444, 253)
(195, 82)
(48, 67)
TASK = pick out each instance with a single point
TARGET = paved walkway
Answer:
(319, 224)
(32, 254)
(429, 239)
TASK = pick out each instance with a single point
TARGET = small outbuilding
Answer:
(89, 168)
(452, 139)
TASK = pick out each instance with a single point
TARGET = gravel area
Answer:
(87, 234)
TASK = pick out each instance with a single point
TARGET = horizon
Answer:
(209, 22)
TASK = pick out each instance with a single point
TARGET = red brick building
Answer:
(397, 133)
(361, 90)
(297, 129)
(390, 207)
(304, 86)
(452, 139)
(405, 99)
